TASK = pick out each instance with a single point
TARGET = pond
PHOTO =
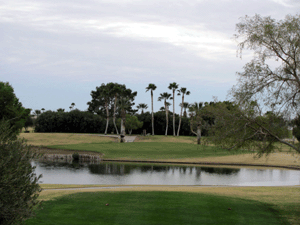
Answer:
(147, 174)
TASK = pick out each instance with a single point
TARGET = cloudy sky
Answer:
(55, 52)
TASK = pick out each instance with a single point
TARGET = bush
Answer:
(75, 156)
(19, 186)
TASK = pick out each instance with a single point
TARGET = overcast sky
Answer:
(55, 52)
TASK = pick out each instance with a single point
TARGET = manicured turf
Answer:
(153, 208)
(150, 150)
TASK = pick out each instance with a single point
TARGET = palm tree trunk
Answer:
(180, 115)
(174, 134)
(166, 108)
(114, 118)
(152, 112)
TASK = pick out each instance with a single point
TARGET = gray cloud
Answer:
(85, 43)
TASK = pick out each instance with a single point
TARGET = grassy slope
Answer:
(164, 147)
(154, 208)
(284, 199)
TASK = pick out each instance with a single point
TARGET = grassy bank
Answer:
(155, 207)
(158, 147)
(150, 150)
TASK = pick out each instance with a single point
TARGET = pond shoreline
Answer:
(46, 150)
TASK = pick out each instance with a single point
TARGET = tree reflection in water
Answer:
(123, 169)
(130, 173)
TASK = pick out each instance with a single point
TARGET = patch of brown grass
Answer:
(277, 158)
(48, 139)
(272, 195)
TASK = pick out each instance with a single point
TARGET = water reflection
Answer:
(117, 173)
(122, 169)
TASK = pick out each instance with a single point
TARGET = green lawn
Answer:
(154, 208)
(150, 150)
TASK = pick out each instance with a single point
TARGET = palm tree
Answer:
(196, 113)
(37, 112)
(43, 110)
(185, 105)
(151, 87)
(142, 106)
(72, 106)
(182, 92)
(165, 96)
(60, 110)
(173, 86)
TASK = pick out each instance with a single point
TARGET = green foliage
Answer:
(131, 123)
(19, 186)
(105, 96)
(244, 127)
(142, 106)
(11, 108)
(28, 123)
(160, 123)
(75, 121)
(75, 156)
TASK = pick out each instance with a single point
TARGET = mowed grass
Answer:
(283, 199)
(154, 207)
(158, 147)
(149, 150)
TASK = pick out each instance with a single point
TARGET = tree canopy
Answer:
(11, 109)
(106, 101)
(272, 76)
(269, 82)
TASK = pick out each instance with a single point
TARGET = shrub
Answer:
(19, 186)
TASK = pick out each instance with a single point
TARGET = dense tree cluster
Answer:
(160, 123)
(111, 99)
(75, 121)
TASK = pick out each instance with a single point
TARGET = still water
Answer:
(129, 174)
